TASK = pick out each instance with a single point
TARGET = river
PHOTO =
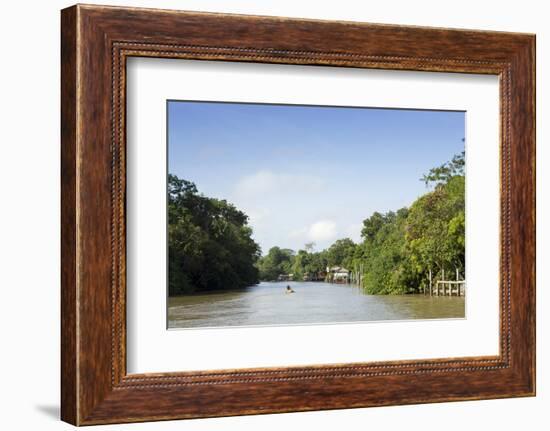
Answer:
(313, 302)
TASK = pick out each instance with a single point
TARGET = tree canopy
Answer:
(398, 248)
(277, 261)
(210, 245)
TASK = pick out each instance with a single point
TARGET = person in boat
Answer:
(289, 289)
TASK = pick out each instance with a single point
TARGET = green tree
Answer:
(210, 245)
(301, 262)
(340, 253)
(436, 227)
(442, 174)
(277, 261)
(387, 269)
(309, 246)
(400, 249)
(373, 224)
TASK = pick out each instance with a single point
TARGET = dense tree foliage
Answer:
(209, 242)
(277, 261)
(435, 228)
(308, 264)
(340, 253)
(399, 249)
(284, 261)
(383, 259)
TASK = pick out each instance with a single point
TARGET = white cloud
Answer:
(268, 182)
(282, 206)
(322, 230)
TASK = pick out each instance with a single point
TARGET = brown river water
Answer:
(312, 303)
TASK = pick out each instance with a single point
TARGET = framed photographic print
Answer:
(268, 215)
(291, 179)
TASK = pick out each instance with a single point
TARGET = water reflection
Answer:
(268, 304)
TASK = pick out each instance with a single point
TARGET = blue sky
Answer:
(309, 173)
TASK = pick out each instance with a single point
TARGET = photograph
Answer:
(298, 214)
(281, 211)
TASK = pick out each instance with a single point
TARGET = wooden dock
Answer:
(448, 288)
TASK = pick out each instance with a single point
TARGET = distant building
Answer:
(315, 276)
(285, 277)
(337, 274)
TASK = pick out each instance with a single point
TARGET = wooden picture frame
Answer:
(95, 43)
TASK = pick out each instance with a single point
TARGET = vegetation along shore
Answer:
(211, 246)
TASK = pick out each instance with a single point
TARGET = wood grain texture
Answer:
(69, 397)
(96, 41)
